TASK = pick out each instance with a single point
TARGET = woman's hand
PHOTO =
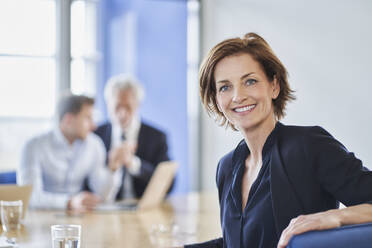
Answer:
(303, 223)
(357, 214)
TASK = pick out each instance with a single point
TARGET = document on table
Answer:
(5, 244)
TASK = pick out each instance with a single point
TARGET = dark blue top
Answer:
(310, 172)
(256, 223)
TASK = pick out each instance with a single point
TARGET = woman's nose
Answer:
(239, 95)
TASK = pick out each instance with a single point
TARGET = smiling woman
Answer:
(244, 94)
(253, 50)
(280, 180)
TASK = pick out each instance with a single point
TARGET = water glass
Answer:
(66, 236)
(11, 213)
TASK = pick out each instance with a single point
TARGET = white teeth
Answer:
(244, 108)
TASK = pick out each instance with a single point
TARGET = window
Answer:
(193, 39)
(27, 58)
(84, 53)
(37, 62)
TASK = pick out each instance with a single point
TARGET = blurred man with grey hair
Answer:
(136, 146)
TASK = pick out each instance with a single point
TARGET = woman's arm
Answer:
(325, 220)
(342, 175)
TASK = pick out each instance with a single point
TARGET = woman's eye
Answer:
(223, 88)
(250, 81)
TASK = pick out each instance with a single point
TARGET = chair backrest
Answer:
(9, 177)
(343, 237)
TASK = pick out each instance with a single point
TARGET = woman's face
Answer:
(244, 94)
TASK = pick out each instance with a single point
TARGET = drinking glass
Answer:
(11, 213)
(66, 236)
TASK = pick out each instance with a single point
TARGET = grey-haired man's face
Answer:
(123, 107)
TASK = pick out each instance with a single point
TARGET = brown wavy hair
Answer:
(259, 49)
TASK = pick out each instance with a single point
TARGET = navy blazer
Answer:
(152, 149)
(310, 172)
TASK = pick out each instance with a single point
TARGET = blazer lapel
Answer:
(235, 190)
(285, 203)
(238, 161)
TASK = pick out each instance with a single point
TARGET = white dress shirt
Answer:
(57, 169)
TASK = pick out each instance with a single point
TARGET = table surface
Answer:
(179, 220)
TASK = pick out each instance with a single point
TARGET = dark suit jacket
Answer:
(152, 149)
(310, 172)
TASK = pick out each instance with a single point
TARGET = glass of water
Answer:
(11, 214)
(66, 236)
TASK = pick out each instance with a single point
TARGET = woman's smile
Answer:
(244, 109)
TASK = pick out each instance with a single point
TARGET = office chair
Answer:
(9, 177)
(343, 237)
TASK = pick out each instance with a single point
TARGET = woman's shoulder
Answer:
(229, 158)
(301, 132)
(225, 163)
(296, 129)
(308, 138)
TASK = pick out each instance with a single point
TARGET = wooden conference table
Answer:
(179, 220)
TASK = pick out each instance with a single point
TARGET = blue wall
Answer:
(148, 38)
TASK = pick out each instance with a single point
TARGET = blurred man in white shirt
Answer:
(57, 163)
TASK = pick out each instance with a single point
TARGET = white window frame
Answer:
(17, 130)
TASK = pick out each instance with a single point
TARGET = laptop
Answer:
(154, 194)
(13, 192)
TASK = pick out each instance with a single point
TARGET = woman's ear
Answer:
(276, 88)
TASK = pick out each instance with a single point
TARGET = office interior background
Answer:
(50, 46)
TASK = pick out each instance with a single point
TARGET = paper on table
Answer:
(5, 244)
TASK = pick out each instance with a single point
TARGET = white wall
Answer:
(327, 49)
